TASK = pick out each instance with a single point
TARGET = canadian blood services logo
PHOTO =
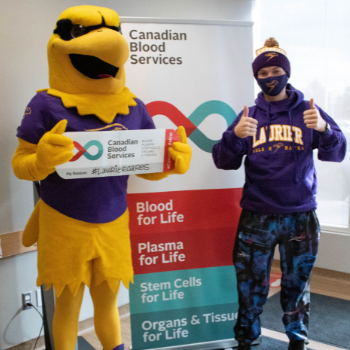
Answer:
(192, 122)
(83, 151)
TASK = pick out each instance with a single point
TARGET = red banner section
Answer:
(182, 250)
(184, 229)
(198, 210)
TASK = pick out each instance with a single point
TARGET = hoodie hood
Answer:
(295, 98)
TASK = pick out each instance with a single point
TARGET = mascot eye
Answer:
(77, 30)
(119, 29)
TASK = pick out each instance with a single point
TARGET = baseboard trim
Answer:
(11, 245)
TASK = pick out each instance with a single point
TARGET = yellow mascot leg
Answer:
(106, 316)
(66, 318)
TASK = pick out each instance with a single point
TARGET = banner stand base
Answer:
(225, 344)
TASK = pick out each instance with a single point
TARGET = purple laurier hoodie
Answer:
(279, 167)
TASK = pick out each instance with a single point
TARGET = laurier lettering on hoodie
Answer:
(279, 133)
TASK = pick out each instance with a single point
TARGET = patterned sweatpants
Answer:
(257, 236)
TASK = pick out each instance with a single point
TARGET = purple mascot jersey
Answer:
(88, 200)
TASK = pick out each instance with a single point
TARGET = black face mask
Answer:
(272, 86)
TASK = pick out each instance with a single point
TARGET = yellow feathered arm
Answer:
(181, 153)
(35, 162)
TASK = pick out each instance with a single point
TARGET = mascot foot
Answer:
(119, 347)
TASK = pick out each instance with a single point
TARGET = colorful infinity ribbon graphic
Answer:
(192, 122)
(83, 151)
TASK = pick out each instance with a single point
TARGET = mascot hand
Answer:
(54, 148)
(181, 153)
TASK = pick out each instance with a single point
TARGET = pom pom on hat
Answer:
(271, 55)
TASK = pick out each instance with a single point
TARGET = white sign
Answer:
(198, 76)
(115, 153)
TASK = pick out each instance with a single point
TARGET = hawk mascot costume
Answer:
(81, 225)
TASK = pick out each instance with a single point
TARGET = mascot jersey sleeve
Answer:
(87, 200)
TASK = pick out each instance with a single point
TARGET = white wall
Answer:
(25, 28)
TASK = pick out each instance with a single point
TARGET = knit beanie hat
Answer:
(271, 55)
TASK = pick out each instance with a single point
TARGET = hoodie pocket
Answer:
(280, 193)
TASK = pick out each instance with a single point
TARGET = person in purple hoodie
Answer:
(277, 136)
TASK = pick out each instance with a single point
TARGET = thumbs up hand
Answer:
(246, 126)
(54, 148)
(313, 119)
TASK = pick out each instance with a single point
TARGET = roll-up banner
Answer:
(195, 74)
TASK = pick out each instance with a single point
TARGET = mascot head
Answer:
(87, 52)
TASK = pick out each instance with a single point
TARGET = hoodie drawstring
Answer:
(268, 129)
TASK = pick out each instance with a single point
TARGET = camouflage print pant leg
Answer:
(298, 249)
(256, 239)
(257, 236)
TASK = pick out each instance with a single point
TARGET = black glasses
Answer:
(79, 30)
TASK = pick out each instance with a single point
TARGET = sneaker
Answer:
(243, 346)
(297, 345)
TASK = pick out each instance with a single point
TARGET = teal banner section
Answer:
(187, 326)
(183, 289)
